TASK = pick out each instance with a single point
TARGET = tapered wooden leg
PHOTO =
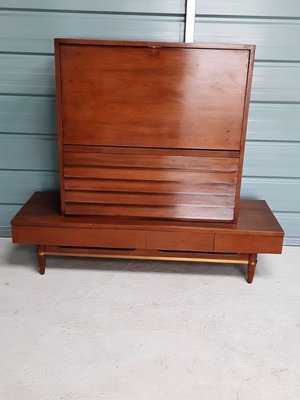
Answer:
(251, 267)
(41, 259)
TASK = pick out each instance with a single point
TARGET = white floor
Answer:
(98, 329)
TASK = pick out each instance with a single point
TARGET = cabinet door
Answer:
(153, 97)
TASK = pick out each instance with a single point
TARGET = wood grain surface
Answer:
(152, 97)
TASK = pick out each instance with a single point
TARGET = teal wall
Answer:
(28, 159)
(272, 158)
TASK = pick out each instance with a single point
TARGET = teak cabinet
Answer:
(152, 130)
(151, 146)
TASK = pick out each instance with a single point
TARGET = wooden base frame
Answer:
(40, 222)
(249, 259)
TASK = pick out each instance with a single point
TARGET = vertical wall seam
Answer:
(190, 20)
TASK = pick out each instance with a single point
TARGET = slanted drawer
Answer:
(150, 184)
(180, 241)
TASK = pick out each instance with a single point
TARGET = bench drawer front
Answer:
(243, 243)
(82, 237)
(180, 241)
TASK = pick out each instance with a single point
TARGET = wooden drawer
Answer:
(243, 243)
(150, 184)
(80, 237)
(180, 241)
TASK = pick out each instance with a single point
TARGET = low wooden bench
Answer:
(41, 223)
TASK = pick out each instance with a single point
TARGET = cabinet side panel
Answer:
(59, 121)
(244, 130)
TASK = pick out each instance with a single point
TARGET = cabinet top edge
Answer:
(98, 42)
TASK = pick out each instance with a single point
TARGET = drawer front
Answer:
(180, 241)
(140, 97)
(83, 237)
(150, 185)
(243, 243)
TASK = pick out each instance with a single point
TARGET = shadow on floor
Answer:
(21, 255)
(26, 256)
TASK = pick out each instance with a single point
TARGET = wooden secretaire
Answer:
(151, 145)
(152, 130)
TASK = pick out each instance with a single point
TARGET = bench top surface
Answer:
(43, 209)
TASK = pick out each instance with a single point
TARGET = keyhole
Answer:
(154, 51)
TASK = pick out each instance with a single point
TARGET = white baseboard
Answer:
(5, 231)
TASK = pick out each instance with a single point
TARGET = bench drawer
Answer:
(80, 237)
(180, 241)
(243, 243)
